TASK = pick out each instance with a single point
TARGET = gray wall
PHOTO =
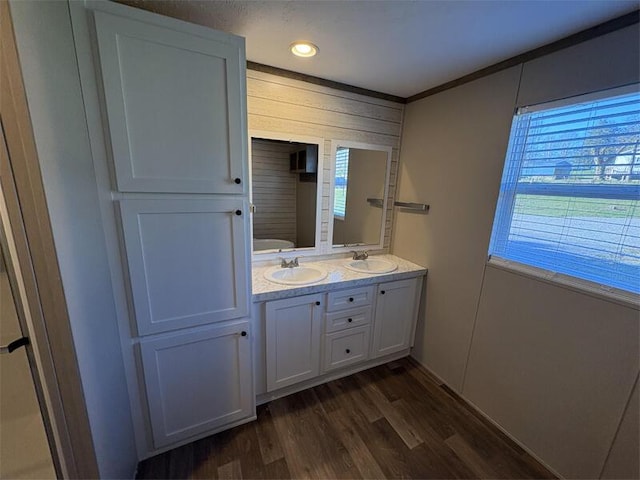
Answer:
(624, 458)
(50, 72)
(553, 367)
(306, 195)
(367, 169)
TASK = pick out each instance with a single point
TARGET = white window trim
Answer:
(616, 295)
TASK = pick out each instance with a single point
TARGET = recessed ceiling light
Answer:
(304, 49)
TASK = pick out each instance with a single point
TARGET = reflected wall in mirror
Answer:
(359, 194)
(284, 179)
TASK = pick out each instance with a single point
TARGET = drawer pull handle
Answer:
(350, 320)
(381, 292)
(243, 333)
(351, 299)
(317, 303)
(238, 181)
(238, 212)
(348, 351)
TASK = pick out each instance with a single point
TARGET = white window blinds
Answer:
(570, 192)
(341, 179)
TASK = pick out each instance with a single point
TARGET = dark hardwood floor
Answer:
(392, 421)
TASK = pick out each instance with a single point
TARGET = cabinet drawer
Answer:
(345, 348)
(354, 297)
(340, 320)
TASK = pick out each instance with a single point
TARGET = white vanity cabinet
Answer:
(396, 310)
(165, 102)
(197, 381)
(293, 327)
(311, 339)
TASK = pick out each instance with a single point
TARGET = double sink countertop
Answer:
(338, 277)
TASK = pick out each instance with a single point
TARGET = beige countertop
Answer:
(338, 278)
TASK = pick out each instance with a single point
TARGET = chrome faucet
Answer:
(360, 255)
(290, 264)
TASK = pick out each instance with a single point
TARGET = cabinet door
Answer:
(175, 99)
(395, 316)
(197, 382)
(293, 329)
(187, 261)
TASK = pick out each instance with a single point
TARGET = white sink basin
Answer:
(371, 265)
(302, 275)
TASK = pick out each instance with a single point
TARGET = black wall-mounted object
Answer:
(304, 160)
(20, 342)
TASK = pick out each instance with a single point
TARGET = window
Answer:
(340, 189)
(570, 193)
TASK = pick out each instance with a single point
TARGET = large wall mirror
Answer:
(286, 180)
(359, 195)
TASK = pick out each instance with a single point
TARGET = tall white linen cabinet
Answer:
(165, 103)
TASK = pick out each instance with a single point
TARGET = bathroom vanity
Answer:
(327, 318)
(348, 321)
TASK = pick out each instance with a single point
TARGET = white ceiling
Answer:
(398, 47)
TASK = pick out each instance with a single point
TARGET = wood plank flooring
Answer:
(392, 421)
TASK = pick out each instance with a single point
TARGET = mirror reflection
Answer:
(359, 189)
(284, 190)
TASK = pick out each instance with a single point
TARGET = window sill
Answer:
(622, 297)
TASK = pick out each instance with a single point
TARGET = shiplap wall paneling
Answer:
(279, 104)
(274, 191)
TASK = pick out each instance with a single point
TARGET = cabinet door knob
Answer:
(348, 351)
(351, 299)
(381, 292)
(238, 181)
(238, 212)
(243, 333)
(350, 320)
(317, 303)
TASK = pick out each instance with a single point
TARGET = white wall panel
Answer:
(453, 150)
(624, 459)
(609, 61)
(555, 368)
